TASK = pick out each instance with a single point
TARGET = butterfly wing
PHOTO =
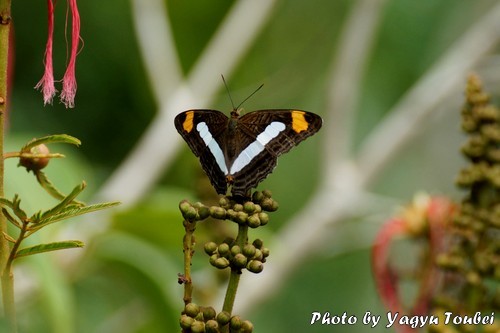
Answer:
(203, 131)
(265, 135)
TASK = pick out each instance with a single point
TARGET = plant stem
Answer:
(6, 273)
(234, 278)
(188, 250)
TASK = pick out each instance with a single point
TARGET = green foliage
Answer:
(41, 248)
(57, 138)
(67, 208)
(127, 278)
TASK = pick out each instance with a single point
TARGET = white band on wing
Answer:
(207, 137)
(255, 148)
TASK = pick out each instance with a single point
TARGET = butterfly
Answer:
(240, 151)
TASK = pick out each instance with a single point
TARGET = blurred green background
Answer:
(125, 279)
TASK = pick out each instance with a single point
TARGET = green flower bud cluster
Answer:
(252, 212)
(481, 121)
(199, 319)
(472, 255)
(229, 254)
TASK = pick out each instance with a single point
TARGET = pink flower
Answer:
(46, 84)
(426, 219)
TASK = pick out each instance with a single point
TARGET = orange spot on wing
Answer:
(188, 122)
(299, 122)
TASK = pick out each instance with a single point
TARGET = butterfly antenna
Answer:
(231, 99)
(250, 96)
(228, 93)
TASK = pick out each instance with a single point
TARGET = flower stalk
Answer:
(237, 254)
(234, 277)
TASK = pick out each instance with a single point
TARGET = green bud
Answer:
(184, 205)
(240, 261)
(255, 266)
(249, 207)
(235, 323)
(203, 212)
(186, 321)
(473, 278)
(198, 205)
(217, 212)
(208, 312)
(211, 326)
(224, 202)
(269, 205)
(213, 258)
(238, 207)
(258, 255)
(210, 248)
(265, 252)
(198, 327)
(249, 250)
(231, 214)
(258, 208)
(191, 309)
(221, 263)
(258, 243)
(223, 249)
(246, 327)
(264, 218)
(241, 217)
(190, 214)
(267, 193)
(253, 221)
(235, 249)
(257, 196)
(223, 318)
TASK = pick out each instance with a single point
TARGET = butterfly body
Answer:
(240, 151)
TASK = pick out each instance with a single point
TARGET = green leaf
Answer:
(11, 218)
(48, 186)
(6, 203)
(69, 212)
(8, 237)
(21, 214)
(56, 138)
(65, 202)
(14, 205)
(41, 248)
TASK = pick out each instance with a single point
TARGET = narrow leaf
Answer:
(41, 248)
(56, 138)
(6, 203)
(68, 213)
(11, 218)
(65, 201)
(14, 205)
(8, 237)
(21, 214)
(47, 185)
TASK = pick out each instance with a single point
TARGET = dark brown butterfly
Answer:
(240, 151)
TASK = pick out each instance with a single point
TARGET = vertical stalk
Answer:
(234, 278)
(188, 243)
(6, 273)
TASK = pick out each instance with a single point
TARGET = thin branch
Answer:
(441, 80)
(355, 45)
(157, 47)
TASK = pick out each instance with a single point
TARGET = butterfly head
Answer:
(235, 113)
